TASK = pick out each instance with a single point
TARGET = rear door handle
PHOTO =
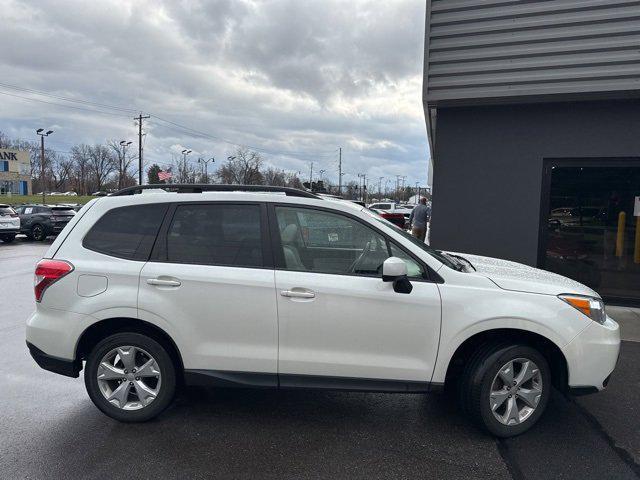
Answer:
(163, 283)
(298, 293)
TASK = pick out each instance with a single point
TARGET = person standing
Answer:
(419, 218)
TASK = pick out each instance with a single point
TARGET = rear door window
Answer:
(126, 232)
(216, 234)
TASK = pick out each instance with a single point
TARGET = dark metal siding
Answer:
(501, 49)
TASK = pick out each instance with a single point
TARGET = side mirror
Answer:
(394, 270)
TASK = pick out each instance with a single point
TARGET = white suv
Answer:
(279, 288)
(9, 223)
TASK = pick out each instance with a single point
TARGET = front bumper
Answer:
(69, 368)
(592, 356)
(13, 231)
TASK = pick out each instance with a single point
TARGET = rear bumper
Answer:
(69, 368)
(9, 231)
(58, 227)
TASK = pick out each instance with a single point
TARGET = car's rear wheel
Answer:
(38, 233)
(506, 387)
(8, 238)
(130, 377)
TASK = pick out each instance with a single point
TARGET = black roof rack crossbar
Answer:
(205, 187)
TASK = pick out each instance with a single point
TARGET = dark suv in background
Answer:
(37, 222)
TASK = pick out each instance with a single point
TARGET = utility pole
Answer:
(395, 196)
(311, 178)
(418, 192)
(206, 164)
(140, 118)
(42, 135)
(340, 171)
(380, 188)
(363, 176)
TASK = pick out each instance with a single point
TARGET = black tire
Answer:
(478, 376)
(8, 238)
(38, 233)
(163, 362)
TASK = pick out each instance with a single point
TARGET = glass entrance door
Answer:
(590, 229)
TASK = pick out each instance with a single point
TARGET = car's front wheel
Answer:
(130, 377)
(506, 387)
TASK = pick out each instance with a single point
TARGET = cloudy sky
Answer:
(295, 79)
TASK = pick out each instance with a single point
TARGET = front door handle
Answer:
(298, 293)
(163, 283)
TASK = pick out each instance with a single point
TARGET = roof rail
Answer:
(205, 187)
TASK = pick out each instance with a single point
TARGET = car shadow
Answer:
(239, 433)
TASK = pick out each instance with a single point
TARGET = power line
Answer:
(124, 110)
(68, 99)
(63, 105)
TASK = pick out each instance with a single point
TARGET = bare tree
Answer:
(275, 177)
(184, 172)
(123, 162)
(242, 169)
(80, 154)
(101, 164)
(63, 171)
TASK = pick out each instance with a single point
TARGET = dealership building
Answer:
(533, 117)
(15, 178)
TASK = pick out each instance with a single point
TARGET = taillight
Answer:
(47, 273)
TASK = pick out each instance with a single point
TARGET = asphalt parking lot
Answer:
(50, 428)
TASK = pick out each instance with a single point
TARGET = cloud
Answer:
(295, 78)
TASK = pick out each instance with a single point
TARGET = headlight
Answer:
(591, 307)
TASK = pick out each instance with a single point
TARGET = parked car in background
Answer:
(279, 288)
(393, 208)
(395, 218)
(99, 194)
(37, 222)
(9, 223)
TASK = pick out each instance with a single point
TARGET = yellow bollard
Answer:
(636, 254)
(622, 217)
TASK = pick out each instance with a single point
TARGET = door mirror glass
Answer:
(402, 285)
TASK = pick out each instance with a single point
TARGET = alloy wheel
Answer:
(129, 377)
(516, 391)
(38, 233)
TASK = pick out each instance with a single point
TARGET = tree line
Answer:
(86, 169)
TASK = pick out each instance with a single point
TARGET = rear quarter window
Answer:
(126, 232)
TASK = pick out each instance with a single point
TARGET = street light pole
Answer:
(206, 165)
(42, 135)
(185, 152)
(124, 145)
